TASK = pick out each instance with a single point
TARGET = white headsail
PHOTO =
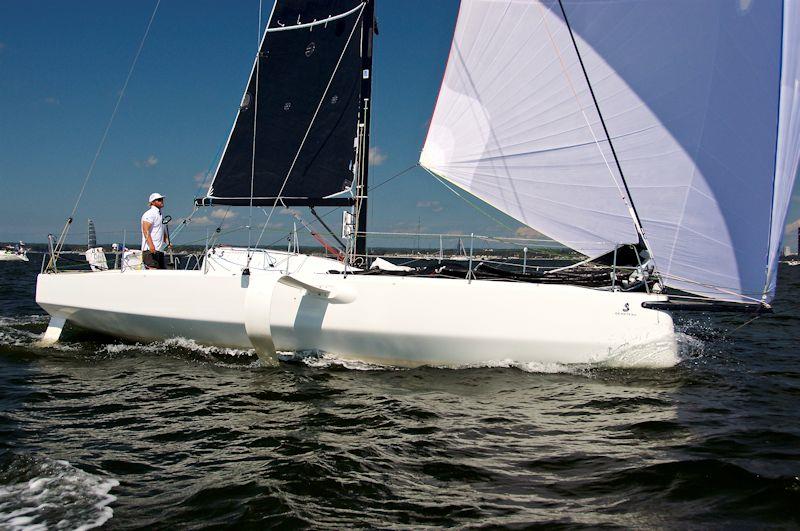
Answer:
(700, 100)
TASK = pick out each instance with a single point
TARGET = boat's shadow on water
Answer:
(205, 436)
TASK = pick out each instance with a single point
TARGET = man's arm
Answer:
(146, 226)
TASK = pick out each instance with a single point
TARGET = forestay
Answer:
(294, 134)
(701, 104)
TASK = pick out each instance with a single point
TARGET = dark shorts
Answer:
(155, 260)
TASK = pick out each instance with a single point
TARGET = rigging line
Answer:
(631, 211)
(200, 186)
(308, 130)
(727, 335)
(395, 176)
(333, 235)
(110, 121)
(711, 286)
(636, 219)
(255, 126)
(185, 221)
(209, 171)
(218, 230)
(473, 205)
(268, 245)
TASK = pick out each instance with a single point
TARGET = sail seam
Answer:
(583, 112)
(634, 214)
(470, 203)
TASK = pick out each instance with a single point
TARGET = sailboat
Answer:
(14, 253)
(658, 139)
(95, 255)
(794, 262)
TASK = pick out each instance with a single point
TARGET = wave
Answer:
(19, 332)
(38, 493)
(23, 320)
(182, 347)
(322, 360)
(176, 343)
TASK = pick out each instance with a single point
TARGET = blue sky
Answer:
(63, 63)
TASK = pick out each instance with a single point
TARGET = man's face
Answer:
(158, 203)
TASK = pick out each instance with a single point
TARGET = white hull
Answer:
(13, 257)
(394, 320)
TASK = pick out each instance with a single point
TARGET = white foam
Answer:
(176, 342)
(23, 320)
(217, 356)
(58, 496)
(11, 335)
(655, 354)
(323, 360)
(538, 367)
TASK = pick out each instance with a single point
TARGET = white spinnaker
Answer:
(690, 94)
(788, 154)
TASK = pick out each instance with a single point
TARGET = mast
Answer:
(364, 111)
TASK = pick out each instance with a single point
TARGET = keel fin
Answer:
(53, 332)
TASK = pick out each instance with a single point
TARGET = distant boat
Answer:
(657, 139)
(94, 254)
(12, 253)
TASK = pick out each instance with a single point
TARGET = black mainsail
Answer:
(294, 141)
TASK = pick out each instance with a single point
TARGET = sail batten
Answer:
(700, 102)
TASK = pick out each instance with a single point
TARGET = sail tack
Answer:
(701, 104)
(301, 106)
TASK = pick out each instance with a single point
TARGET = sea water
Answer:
(100, 432)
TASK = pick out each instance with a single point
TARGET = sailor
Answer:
(153, 235)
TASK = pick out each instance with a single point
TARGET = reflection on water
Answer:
(198, 436)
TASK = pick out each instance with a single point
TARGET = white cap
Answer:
(155, 196)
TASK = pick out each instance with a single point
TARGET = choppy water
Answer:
(97, 432)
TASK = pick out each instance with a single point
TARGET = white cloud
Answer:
(408, 226)
(215, 217)
(377, 156)
(221, 214)
(51, 100)
(203, 180)
(149, 162)
(435, 206)
(792, 227)
(202, 220)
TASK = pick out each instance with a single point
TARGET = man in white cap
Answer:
(153, 235)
